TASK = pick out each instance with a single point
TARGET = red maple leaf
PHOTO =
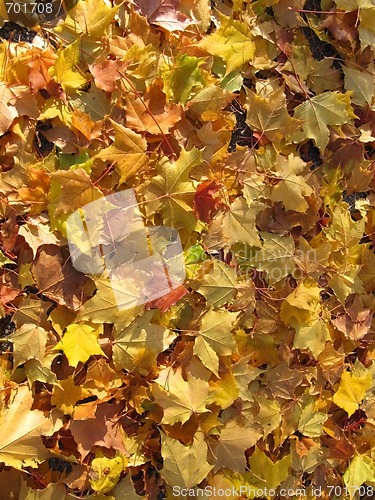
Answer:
(205, 201)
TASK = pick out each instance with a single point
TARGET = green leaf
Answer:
(215, 338)
(171, 192)
(232, 42)
(183, 78)
(317, 113)
(219, 285)
(67, 160)
(360, 471)
(141, 339)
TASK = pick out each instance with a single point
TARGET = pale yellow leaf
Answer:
(128, 152)
(21, 429)
(184, 466)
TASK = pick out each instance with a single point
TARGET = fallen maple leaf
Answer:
(171, 192)
(21, 430)
(128, 151)
(103, 430)
(205, 201)
(248, 132)
(180, 399)
(168, 300)
(7, 111)
(56, 277)
(79, 342)
(151, 113)
(164, 13)
(234, 440)
(184, 466)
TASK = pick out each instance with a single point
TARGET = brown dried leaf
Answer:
(56, 278)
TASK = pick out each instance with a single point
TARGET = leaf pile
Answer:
(249, 127)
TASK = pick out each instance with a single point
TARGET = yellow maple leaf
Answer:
(79, 343)
(171, 192)
(128, 151)
(219, 285)
(313, 336)
(270, 473)
(89, 17)
(292, 187)
(365, 15)
(103, 307)
(302, 306)
(105, 472)
(66, 69)
(29, 342)
(232, 42)
(56, 108)
(329, 108)
(344, 230)
(269, 115)
(360, 471)
(66, 394)
(225, 390)
(81, 192)
(180, 399)
(138, 344)
(239, 223)
(184, 466)
(21, 430)
(351, 391)
(215, 338)
(182, 78)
